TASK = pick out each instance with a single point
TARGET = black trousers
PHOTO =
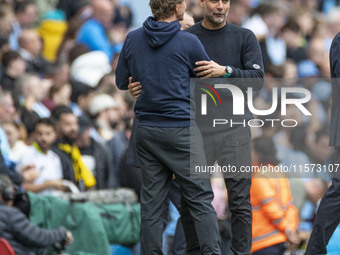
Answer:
(178, 246)
(163, 152)
(327, 217)
(229, 148)
(277, 249)
(234, 148)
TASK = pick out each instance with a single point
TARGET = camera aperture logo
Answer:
(238, 104)
(204, 98)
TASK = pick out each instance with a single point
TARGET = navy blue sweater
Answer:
(236, 47)
(162, 58)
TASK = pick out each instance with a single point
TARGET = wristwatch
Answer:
(229, 71)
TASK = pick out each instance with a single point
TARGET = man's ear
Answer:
(177, 8)
(202, 3)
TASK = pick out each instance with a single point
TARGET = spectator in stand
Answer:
(266, 22)
(59, 94)
(52, 28)
(7, 111)
(58, 73)
(69, 41)
(333, 22)
(13, 68)
(73, 166)
(21, 234)
(16, 136)
(193, 7)
(106, 113)
(187, 21)
(43, 159)
(275, 219)
(304, 18)
(296, 44)
(237, 13)
(94, 32)
(30, 49)
(90, 67)
(94, 155)
(123, 16)
(107, 85)
(32, 93)
(26, 15)
(73, 8)
(6, 20)
(129, 175)
(81, 97)
(117, 147)
(318, 52)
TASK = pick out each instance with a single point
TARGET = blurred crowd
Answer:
(59, 101)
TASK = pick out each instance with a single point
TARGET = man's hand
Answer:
(209, 69)
(56, 184)
(69, 238)
(292, 236)
(29, 173)
(135, 88)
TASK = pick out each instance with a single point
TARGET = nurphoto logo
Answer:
(281, 97)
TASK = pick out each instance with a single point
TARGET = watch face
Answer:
(229, 70)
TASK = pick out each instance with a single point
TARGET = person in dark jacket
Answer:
(162, 58)
(237, 57)
(14, 66)
(30, 49)
(328, 216)
(94, 155)
(117, 148)
(21, 234)
(74, 168)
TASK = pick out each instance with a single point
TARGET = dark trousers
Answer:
(234, 148)
(178, 246)
(229, 148)
(278, 249)
(163, 152)
(327, 217)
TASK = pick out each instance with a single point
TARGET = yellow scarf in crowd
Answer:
(37, 147)
(81, 172)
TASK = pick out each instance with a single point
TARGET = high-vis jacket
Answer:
(273, 211)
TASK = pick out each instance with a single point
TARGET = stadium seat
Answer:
(5, 247)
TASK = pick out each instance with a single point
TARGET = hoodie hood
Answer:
(158, 33)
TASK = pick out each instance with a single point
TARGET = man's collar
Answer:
(25, 54)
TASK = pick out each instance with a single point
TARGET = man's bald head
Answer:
(103, 11)
(30, 41)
